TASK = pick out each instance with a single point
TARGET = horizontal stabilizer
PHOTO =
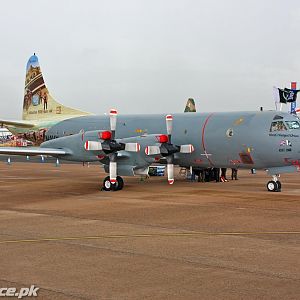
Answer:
(31, 151)
(23, 124)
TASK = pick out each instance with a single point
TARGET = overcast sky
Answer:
(150, 56)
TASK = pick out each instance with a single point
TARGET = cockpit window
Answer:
(292, 124)
(278, 126)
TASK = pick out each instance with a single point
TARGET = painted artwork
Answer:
(38, 104)
(190, 105)
(36, 95)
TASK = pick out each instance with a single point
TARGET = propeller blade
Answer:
(169, 124)
(113, 121)
(132, 147)
(170, 170)
(113, 172)
(92, 146)
(187, 148)
(152, 150)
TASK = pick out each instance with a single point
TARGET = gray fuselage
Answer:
(221, 139)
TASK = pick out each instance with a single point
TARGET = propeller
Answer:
(167, 149)
(110, 146)
(113, 122)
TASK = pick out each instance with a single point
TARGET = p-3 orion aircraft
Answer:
(128, 144)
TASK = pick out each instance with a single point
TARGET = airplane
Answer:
(40, 110)
(127, 145)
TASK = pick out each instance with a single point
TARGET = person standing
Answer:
(234, 174)
(223, 175)
(217, 174)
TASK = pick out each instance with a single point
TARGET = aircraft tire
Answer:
(120, 183)
(278, 186)
(272, 186)
(107, 186)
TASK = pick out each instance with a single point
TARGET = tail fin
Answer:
(38, 103)
(190, 105)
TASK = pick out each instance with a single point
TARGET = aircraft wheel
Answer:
(272, 186)
(278, 186)
(120, 183)
(106, 184)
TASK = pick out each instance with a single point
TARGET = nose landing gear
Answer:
(274, 185)
(108, 186)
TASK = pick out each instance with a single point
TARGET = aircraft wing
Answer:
(23, 124)
(31, 151)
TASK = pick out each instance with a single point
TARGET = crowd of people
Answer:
(213, 174)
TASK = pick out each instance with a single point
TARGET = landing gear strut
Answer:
(108, 186)
(274, 185)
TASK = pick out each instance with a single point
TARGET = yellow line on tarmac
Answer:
(146, 235)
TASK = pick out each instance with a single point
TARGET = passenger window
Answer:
(278, 126)
(293, 124)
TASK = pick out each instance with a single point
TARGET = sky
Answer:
(141, 56)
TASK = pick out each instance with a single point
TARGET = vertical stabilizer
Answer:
(38, 103)
(190, 105)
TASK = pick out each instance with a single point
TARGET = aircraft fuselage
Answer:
(230, 139)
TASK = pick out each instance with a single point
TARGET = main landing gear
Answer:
(274, 185)
(108, 186)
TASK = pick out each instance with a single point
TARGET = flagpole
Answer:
(276, 97)
(293, 104)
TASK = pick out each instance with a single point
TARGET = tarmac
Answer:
(192, 240)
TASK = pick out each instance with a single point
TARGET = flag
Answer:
(294, 90)
(287, 95)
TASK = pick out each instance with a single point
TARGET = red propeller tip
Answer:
(113, 181)
(113, 112)
(171, 181)
(169, 117)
